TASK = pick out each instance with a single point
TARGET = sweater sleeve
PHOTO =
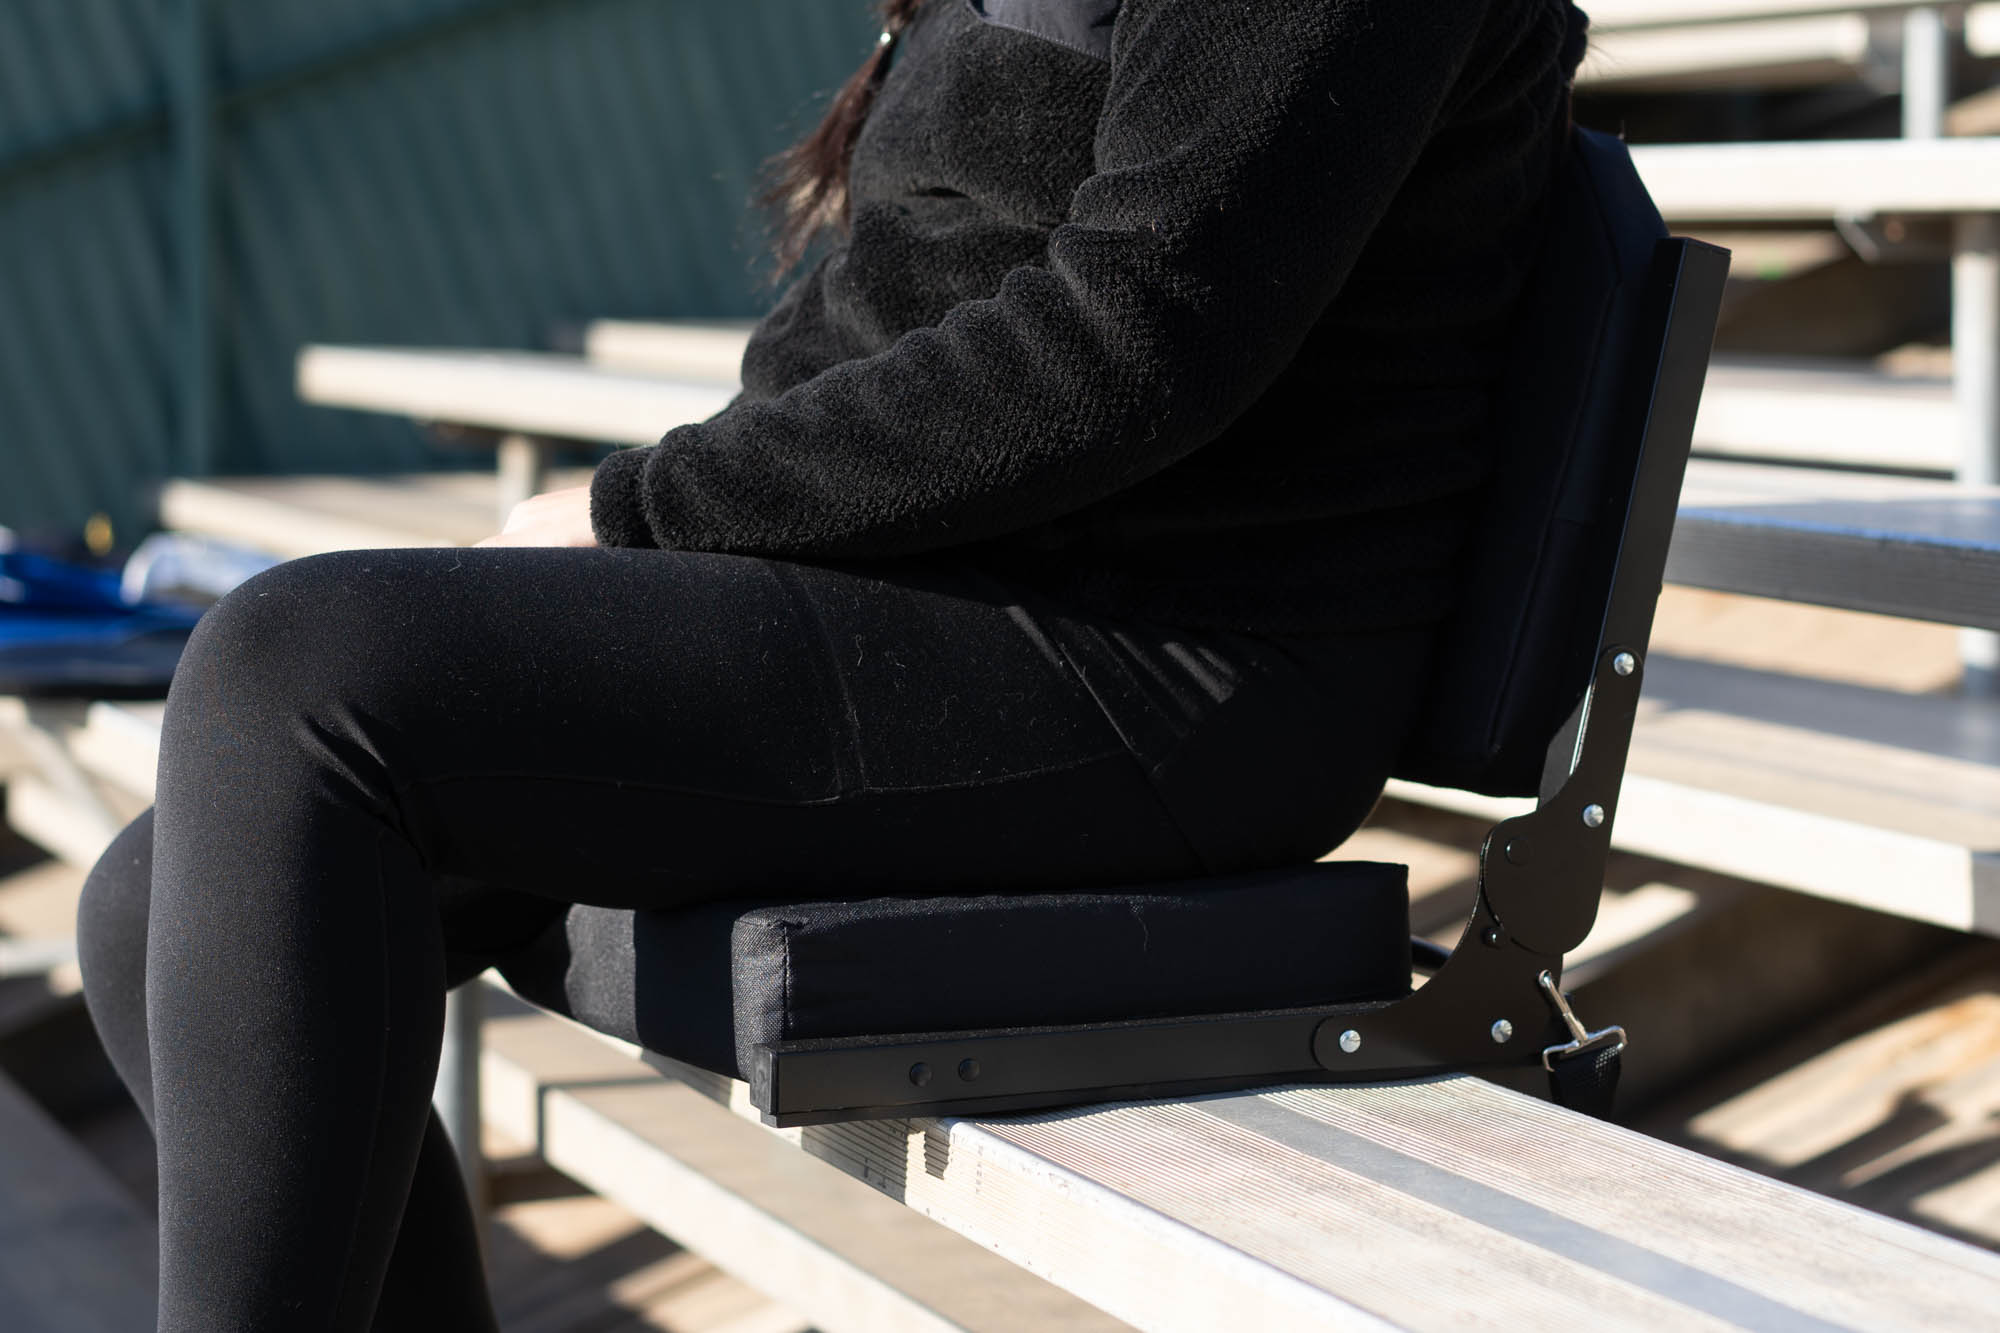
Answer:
(1245, 151)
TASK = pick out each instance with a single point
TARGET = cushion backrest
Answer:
(1516, 653)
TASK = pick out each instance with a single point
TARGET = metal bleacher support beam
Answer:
(1975, 340)
(1926, 73)
(1927, 57)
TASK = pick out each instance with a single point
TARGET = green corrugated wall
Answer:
(447, 172)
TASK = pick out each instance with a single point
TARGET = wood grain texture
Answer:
(76, 1256)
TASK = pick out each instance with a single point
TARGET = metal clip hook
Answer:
(1581, 1039)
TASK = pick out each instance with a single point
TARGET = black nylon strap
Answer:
(1588, 1080)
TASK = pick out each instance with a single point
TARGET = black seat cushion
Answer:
(709, 984)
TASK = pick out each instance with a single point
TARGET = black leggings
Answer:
(383, 771)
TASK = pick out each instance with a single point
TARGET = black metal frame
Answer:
(1495, 999)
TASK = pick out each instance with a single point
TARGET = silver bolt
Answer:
(1624, 664)
(1593, 816)
(1503, 1032)
(1350, 1041)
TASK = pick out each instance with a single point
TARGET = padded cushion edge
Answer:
(708, 984)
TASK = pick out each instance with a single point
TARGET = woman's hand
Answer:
(559, 518)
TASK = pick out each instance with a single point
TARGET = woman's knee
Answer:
(112, 911)
(286, 632)
(111, 924)
(280, 667)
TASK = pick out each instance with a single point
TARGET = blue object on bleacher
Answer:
(67, 632)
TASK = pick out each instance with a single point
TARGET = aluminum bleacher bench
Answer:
(1687, 45)
(1811, 412)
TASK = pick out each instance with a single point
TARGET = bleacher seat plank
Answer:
(55, 819)
(76, 1254)
(1982, 31)
(1779, 53)
(1447, 1203)
(299, 516)
(526, 393)
(52, 798)
(1823, 180)
(1640, 15)
(687, 349)
(1898, 546)
(1667, 44)
(1828, 413)
(846, 1258)
(1870, 797)
(1798, 410)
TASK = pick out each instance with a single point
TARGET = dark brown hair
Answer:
(808, 190)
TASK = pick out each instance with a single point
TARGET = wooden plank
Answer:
(685, 349)
(1821, 180)
(804, 1235)
(76, 1255)
(525, 392)
(1836, 413)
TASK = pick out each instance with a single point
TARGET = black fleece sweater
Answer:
(1182, 309)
